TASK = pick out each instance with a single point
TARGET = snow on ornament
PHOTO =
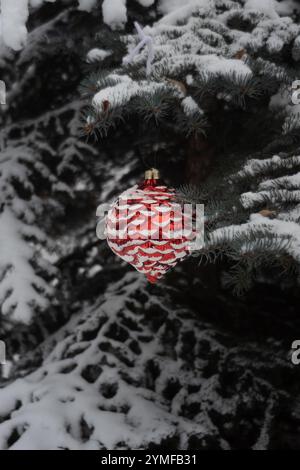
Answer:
(148, 228)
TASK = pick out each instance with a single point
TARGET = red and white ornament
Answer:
(147, 228)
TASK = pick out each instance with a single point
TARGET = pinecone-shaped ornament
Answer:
(147, 227)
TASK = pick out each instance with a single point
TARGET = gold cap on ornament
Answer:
(152, 174)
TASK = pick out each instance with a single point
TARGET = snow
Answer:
(296, 49)
(288, 7)
(251, 199)
(203, 43)
(124, 402)
(220, 65)
(267, 7)
(19, 287)
(255, 166)
(175, 12)
(26, 256)
(276, 227)
(289, 182)
(146, 3)
(283, 101)
(96, 54)
(86, 5)
(189, 47)
(167, 6)
(123, 91)
(54, 403)
(282, 228)
(94, 270)
(14, 14)
(190, 106)
(114, 13)
(273, 193)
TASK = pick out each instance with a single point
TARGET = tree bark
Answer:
(200, 155)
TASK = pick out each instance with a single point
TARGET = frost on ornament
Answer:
(148, 228)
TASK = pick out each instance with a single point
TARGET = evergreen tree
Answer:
(142, 368)
(44, 169)
(97, 357)
(217, 93)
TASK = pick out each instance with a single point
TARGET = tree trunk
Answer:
(200, 155)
